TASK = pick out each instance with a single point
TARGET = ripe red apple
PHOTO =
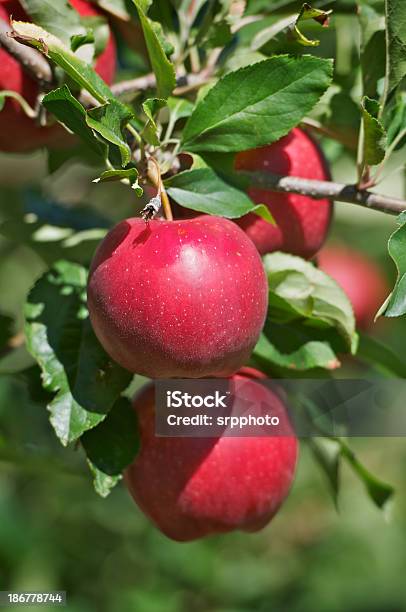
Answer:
(361, 279)
(302, 223)
(178, 298)
(194, 487)
(18, 132)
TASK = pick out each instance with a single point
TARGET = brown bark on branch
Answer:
(327, 189)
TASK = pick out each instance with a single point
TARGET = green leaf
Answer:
(81, 72)
(179, 108)
(103, 483)
(203, 190)
(113, 445)
(256, 105)
(162, 67)
(374, 133)
(395, 12)
(395, 120)
(145, 5)
(344, 113)
(289, 29)
(379, 492)
(396, 303)
(57, 18)
(219, 35)
(74, 365)
(215, 17)
(52, 242)
(79, 40)
(109, 120)
(167, 46)
(381, 357)
(298, 291)
(310, 353)
(329, 453)
(69, 111)
(98, 27)
(151, 107)
(373, 47)
(129, 176)
(307, 13)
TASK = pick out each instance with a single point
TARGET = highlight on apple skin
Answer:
(195, 487)
(302, 223)
(178, 298)
(360, 278)
(18, 132)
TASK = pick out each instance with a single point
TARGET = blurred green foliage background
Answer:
(56, 534)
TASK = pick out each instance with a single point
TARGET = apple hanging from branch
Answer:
(302, 223)
(194, 487)
(178, 298)
(360, 277)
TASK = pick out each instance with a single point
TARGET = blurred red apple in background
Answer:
(360, 277)
(194, 487)
(18, 132)
(302, 223)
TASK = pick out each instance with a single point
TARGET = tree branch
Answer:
(327, 190)
(33, 62)
(184, 83)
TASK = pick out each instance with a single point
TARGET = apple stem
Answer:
(166, 205)
(156, 179)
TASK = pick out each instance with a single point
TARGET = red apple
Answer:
(194, 487)
(361, 279)
(18, 132)
(178, 298)
(302, 223)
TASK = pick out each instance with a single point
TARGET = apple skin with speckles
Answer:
(18, 132)
(302, 223)
(359, 277)
(174, 299)
(195, 487)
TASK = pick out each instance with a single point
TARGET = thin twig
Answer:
(184, 82)
(327, 190)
